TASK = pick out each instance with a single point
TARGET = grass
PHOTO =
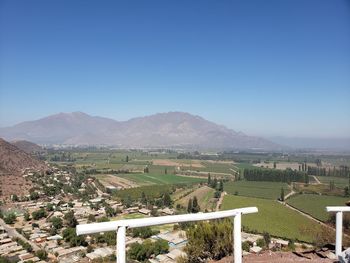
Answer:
(267, 190)
(315, 205)
(216, 167)
(148, 178)
(245, 166)
(274, 218)
(338, 181)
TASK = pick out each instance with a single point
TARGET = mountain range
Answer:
(172, 129)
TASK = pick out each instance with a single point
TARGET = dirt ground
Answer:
(107, 180)
(13, 184)
(201, 194)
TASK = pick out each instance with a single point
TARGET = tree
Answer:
(26, 216)
(110, 211)
(36, 215)
(127, 159)
(143, 198)
(267, 238)
(282, 194)
(91, 218)
(146, 170)
(209, 240)
(142, 252)
(70, 219)
(15, 198)
(41, 254)
(189, 206)
(57, 222)
(221, 186)
(274, 165)
(167, 199)
(70, 236)
(49, 207)
(34, 196)
(214, 183)
(143, 232)
(165, 171)
(4, 260)
(209, 179)
(261, 243)
(195, 205)
(10, 218)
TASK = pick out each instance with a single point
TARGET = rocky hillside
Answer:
(27, 147)
(14, 161)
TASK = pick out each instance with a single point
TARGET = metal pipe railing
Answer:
(121, 225)
(338, 226)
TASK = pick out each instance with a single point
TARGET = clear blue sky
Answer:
(262, 67)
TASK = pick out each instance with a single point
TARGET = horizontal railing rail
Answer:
(338, 226)
(121, 225)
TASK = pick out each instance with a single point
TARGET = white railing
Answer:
(121, 225)
(338, 226)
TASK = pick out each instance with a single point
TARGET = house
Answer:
(145, 211)
(132, 210)
(175, 238)
(73, 251)
(55, 237)
(100, 253)
(167, 211)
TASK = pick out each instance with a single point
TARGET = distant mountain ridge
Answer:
(172, 129)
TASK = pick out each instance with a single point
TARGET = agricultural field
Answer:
(181, 192)
(178, 163)
(244, 166)
(323, 189)
(315, 205)
(219, 167)
(205, 198)
(148, 179)
(338, 181)
(112, 180)
(258, 189)
(151, 191)
(279, 165)
(274, 218)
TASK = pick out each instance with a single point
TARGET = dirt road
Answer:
(221, 199)
(12, 232)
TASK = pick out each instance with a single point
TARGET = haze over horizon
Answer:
(276, 69)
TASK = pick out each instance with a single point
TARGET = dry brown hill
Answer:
(27, 146)
(13, 162)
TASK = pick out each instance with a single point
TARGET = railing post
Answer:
(237, 238)
(121, 232)
(338, 233)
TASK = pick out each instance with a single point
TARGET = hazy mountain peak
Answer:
(170, 129)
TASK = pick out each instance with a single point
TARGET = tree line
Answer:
(271, 175)
(342, 171)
